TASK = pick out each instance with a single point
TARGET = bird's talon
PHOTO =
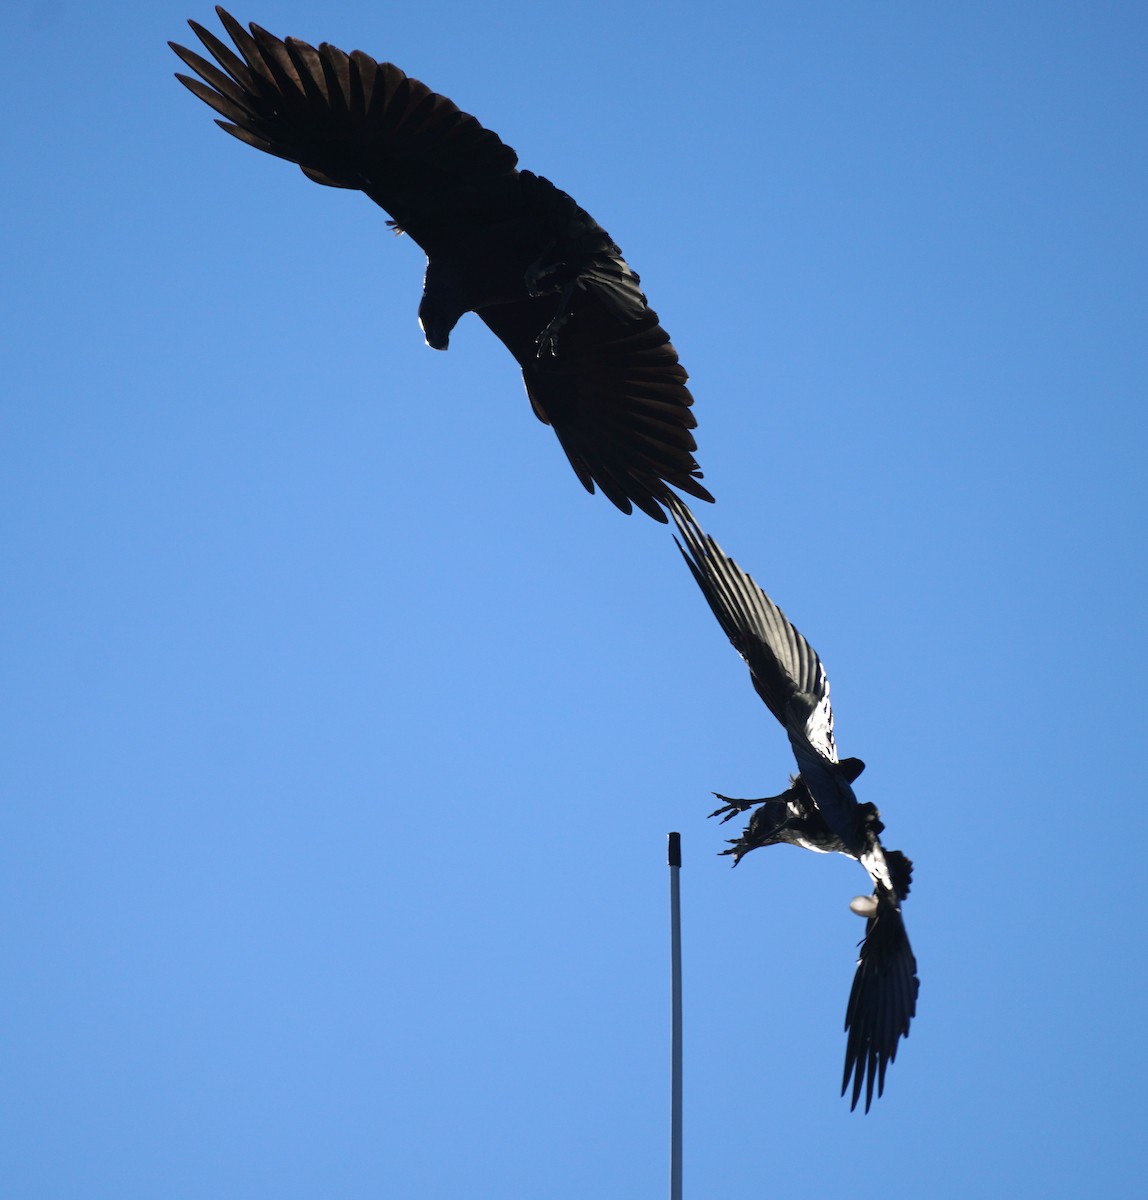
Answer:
(547, 344)
(731, 808)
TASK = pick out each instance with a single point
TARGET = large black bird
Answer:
(819, 810)
(504, 243)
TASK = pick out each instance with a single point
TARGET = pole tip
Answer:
(675, 849)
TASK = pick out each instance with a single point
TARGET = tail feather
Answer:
(882, 1001)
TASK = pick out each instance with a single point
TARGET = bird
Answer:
(504, 243)
(819, 810)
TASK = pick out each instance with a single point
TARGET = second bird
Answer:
(819, 810)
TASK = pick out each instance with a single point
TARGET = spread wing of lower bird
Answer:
(820, 810)
(505, 243)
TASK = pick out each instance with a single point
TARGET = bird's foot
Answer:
(542, 281)
(730, 809)
(546, 342)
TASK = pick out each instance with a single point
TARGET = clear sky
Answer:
(343, 730)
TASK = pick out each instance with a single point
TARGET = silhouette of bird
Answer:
(507, 244)
(819, 810)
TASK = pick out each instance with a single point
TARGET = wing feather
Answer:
(784, 667)
(346, 117)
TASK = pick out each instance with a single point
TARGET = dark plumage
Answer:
(540, 271)
(819, 810)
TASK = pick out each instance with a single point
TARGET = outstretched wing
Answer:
(784, 667)
(616, 396)
(882, 1002)
(349, 121)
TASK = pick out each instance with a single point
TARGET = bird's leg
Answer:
(540, 276)
(754, 836)
(547, 340)
(732, 807)
(544, 276)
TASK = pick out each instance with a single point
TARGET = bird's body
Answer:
(819, 811)
(505, 243)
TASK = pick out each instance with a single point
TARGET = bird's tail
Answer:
(882, 1001)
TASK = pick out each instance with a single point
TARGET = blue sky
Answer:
(343, 730)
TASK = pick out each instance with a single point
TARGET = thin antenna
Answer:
(675, 858)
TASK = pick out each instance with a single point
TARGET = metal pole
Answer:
(675, 859)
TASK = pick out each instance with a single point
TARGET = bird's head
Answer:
(436, 328)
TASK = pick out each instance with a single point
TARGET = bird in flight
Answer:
(507, 244)
(819, 810)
